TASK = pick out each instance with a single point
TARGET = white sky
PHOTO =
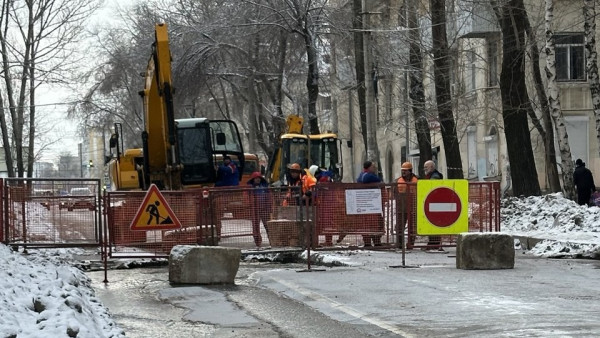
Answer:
(51, 99)
(45, 275)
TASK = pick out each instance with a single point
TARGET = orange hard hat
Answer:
(406, 166)
(295, 166)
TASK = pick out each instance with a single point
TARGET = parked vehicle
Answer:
(79, 198)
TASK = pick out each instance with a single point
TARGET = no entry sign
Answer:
(442, 207)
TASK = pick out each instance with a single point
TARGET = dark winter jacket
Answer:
(260, 194)
(583, 179)
(434, 175)
(227, 175)
(368, 177)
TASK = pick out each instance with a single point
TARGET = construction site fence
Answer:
(38, 212)
(76, 213)
(285, 218)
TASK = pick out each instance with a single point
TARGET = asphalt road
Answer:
(369, 296)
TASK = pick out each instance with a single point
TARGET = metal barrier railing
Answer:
(41, 212)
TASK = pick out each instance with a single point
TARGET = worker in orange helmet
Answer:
(402, 214)
(298, 178)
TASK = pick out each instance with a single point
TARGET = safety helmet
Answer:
(406, 166)
(313, 169)
(295, 166)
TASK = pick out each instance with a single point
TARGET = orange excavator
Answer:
(176, 153)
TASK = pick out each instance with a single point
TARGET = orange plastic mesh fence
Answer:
(51, 212)
(347, 215)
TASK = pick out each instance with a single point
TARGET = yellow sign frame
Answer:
(424, 225)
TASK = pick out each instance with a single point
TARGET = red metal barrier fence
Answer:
(59, 213)
(40, 212)
(281, 218)
(122, 208)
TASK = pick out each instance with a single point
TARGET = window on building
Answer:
(492, 59)
(472, 151)
(491, 145)
(326, 103)
(570, 57)
(470, 74)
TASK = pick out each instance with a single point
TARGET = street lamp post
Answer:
(80, 162)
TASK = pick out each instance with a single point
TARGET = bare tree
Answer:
(515, 99)
(546, 130)
(37, 43)
(591, 56)
(555, 108)
(359, 66)
(442, 88)
(416, 93)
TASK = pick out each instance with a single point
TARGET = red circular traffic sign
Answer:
(442, 207)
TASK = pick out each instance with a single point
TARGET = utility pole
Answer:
(80, 162)
(370, 87)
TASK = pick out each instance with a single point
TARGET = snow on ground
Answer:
(569, 230)
(43, 295)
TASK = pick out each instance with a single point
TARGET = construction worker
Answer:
(227, 173)
(407, 176)
(299, 185)
(325, 218)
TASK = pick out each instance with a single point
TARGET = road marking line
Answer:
(346, 309)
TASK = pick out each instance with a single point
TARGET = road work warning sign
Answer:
(155, 213)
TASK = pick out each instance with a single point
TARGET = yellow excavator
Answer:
(322, 150)
(176, 153)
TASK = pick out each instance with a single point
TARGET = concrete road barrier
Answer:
(485, 251)
(189, 264)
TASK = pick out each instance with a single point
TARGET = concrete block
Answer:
(485, 251)
(189, 264)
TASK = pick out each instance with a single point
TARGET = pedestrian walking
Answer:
(584, 183)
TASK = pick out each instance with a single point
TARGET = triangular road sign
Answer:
(155, 213)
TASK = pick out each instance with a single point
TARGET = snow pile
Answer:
(42, 296)
(570, 230)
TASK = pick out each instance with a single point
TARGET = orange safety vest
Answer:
(402, 183)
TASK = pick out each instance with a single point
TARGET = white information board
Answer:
(363, 201)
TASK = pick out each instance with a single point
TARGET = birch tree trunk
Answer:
(554, 102)
(547, 130)
(591, 58)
